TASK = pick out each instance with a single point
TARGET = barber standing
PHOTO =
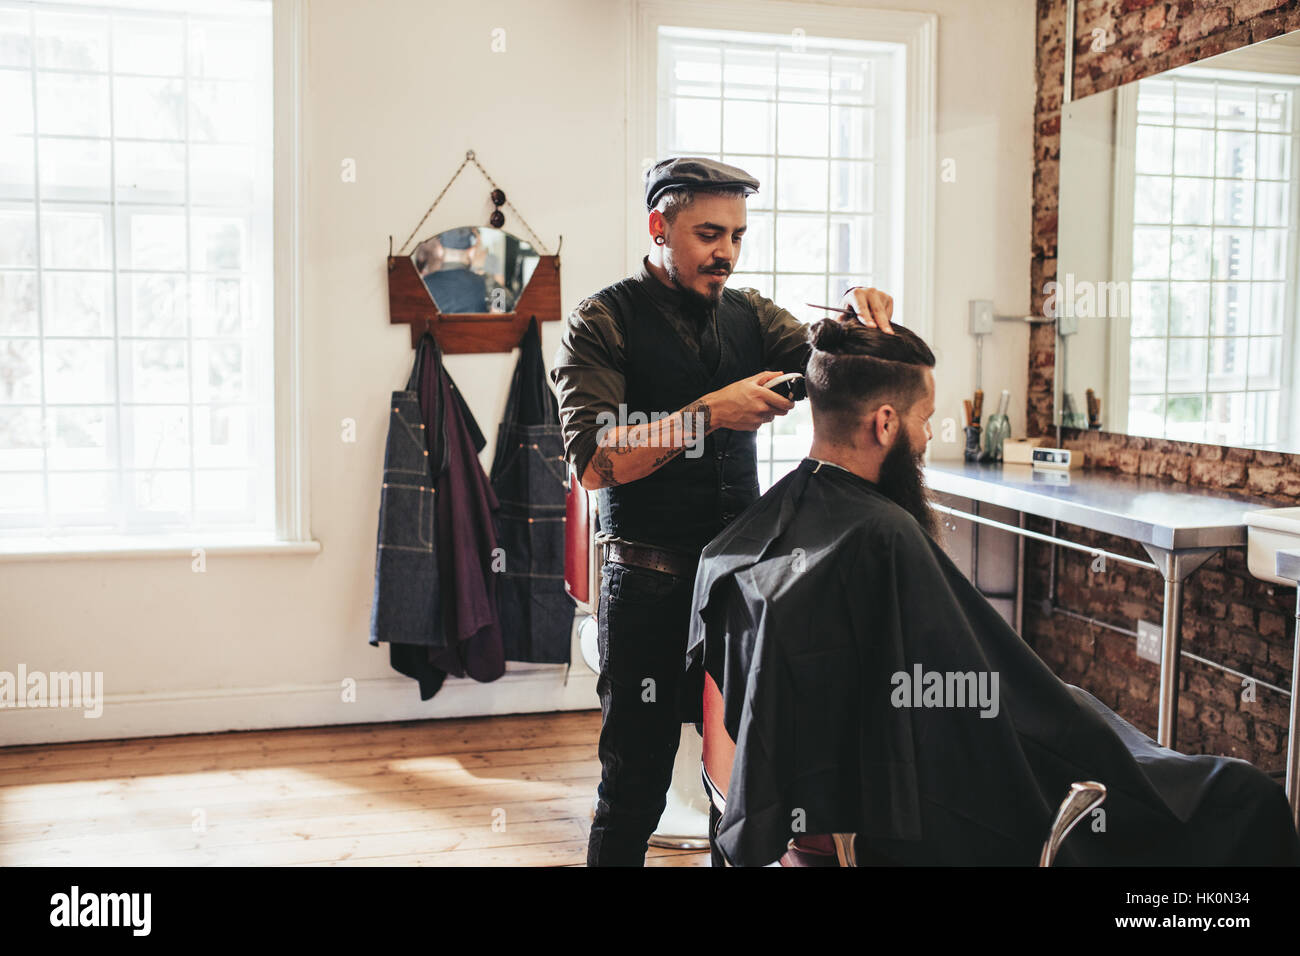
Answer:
(660, 379)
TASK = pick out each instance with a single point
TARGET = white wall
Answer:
(403, 88)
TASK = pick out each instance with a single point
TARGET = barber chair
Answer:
(684, 824)
(838, 849)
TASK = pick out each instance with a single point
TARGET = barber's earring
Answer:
(660, 240)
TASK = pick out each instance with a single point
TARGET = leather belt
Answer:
(656, 559)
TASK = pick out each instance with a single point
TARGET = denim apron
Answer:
(530, 479)
(406, 610)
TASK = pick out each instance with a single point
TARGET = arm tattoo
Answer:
(672, 433)
(603, 466)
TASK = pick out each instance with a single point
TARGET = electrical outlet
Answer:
(1149, 641)
(981, 316)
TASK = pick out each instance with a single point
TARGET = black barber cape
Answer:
(808, 605)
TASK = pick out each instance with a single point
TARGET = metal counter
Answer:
(1180, 527)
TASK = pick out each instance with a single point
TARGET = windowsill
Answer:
(148, 546)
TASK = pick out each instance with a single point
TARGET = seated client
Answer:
(870, 689)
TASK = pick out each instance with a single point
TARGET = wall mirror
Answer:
(475, 288)
(1176, 292)
(474, 269)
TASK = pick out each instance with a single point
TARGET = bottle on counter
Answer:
(997, 429)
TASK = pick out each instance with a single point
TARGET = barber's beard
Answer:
(675, 276)
(903, 481)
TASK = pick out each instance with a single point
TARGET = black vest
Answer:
(687, 501)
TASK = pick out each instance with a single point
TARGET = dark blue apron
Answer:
(529, 477)
(406, 610)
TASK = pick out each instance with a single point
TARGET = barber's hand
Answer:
(872, 306)
(746, 404)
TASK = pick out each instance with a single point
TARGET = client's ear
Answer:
(885, 425)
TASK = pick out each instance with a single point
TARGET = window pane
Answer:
(1192, 204)
(71, 41)
(1155, 149)
(154, 371)
(802, 183)
(1149, 308)
(15, 39)
(1193, 152)
(1194, 103)
(15, 102)
(78, 372)
(148, 107)
(804, 77)
(151, 172)
(18, 303)
(152, 304)
(794, 292)
(852, 81)
(756, 247)
(74, 168)
(1151, 199)
(1189, 308)
(852, 187)
(1236, 107)
(1230, 310)
(1266, 304)
(750, 74)
(1234, 203)
(72, 104)
(77, 303)
(801, 240)
(20, 439)
(750, 127)
(74, 238)
(1234, 154)
(82, 438)
(1187, 368)
(20, 371)
(695, 126)
(149, 44)
(801, 129)
(1266, 362)
(148, 134)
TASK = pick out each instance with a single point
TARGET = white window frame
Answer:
(292, 501)
(915, 32)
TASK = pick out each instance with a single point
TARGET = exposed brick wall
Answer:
(1228, 615)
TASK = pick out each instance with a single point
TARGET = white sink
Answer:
(1267, 533)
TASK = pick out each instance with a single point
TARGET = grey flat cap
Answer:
(694, 171)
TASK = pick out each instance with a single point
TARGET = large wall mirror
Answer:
(1178, 256)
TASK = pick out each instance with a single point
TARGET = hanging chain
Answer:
(469, 157)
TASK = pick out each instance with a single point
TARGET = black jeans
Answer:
(642, 623)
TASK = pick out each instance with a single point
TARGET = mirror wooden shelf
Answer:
(474, 288)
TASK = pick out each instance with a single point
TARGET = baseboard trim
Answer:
(524, 688)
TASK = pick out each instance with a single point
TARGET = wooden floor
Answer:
(492, 791)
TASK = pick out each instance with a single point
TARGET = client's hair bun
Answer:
(828, 335)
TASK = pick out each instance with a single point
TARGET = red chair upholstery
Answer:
(720, 752)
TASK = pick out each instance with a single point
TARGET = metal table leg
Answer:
(1292, 744)
(1175, 567)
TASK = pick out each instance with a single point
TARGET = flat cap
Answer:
(694, 171)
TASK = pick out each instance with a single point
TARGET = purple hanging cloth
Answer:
(465, 535)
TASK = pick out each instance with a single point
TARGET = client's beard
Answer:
(902, 480)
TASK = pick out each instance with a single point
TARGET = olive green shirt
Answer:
(589, 366)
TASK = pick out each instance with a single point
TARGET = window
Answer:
(820, 123)
(1212, 329)
(136, 296)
